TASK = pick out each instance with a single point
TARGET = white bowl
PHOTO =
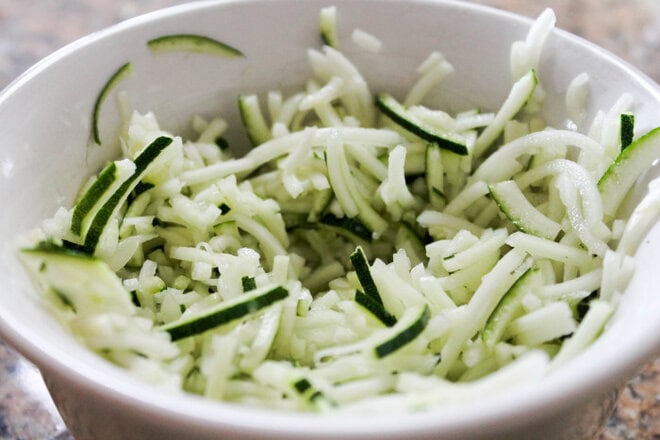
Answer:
(44, 158)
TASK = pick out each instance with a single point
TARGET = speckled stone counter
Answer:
(30, 30)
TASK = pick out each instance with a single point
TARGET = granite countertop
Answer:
(30, 30)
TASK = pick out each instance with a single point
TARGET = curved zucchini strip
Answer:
(509, 307)
(405, 331)
(626, 169)
(116, 77)
(515, 206)
(192, 43)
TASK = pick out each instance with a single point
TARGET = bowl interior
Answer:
(44, 153)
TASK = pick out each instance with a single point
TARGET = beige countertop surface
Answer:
(30, 30)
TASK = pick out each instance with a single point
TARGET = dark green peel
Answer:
(192, 43)
(119, 75)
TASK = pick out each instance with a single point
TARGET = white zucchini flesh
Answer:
(433, 70)
(485, 299)
(495, 168)
(328, 26)
(545, 324)
(520, 93)
(587, 331)
(543, 248)
(641, 220)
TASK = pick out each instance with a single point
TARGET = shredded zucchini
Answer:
(365, 254)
